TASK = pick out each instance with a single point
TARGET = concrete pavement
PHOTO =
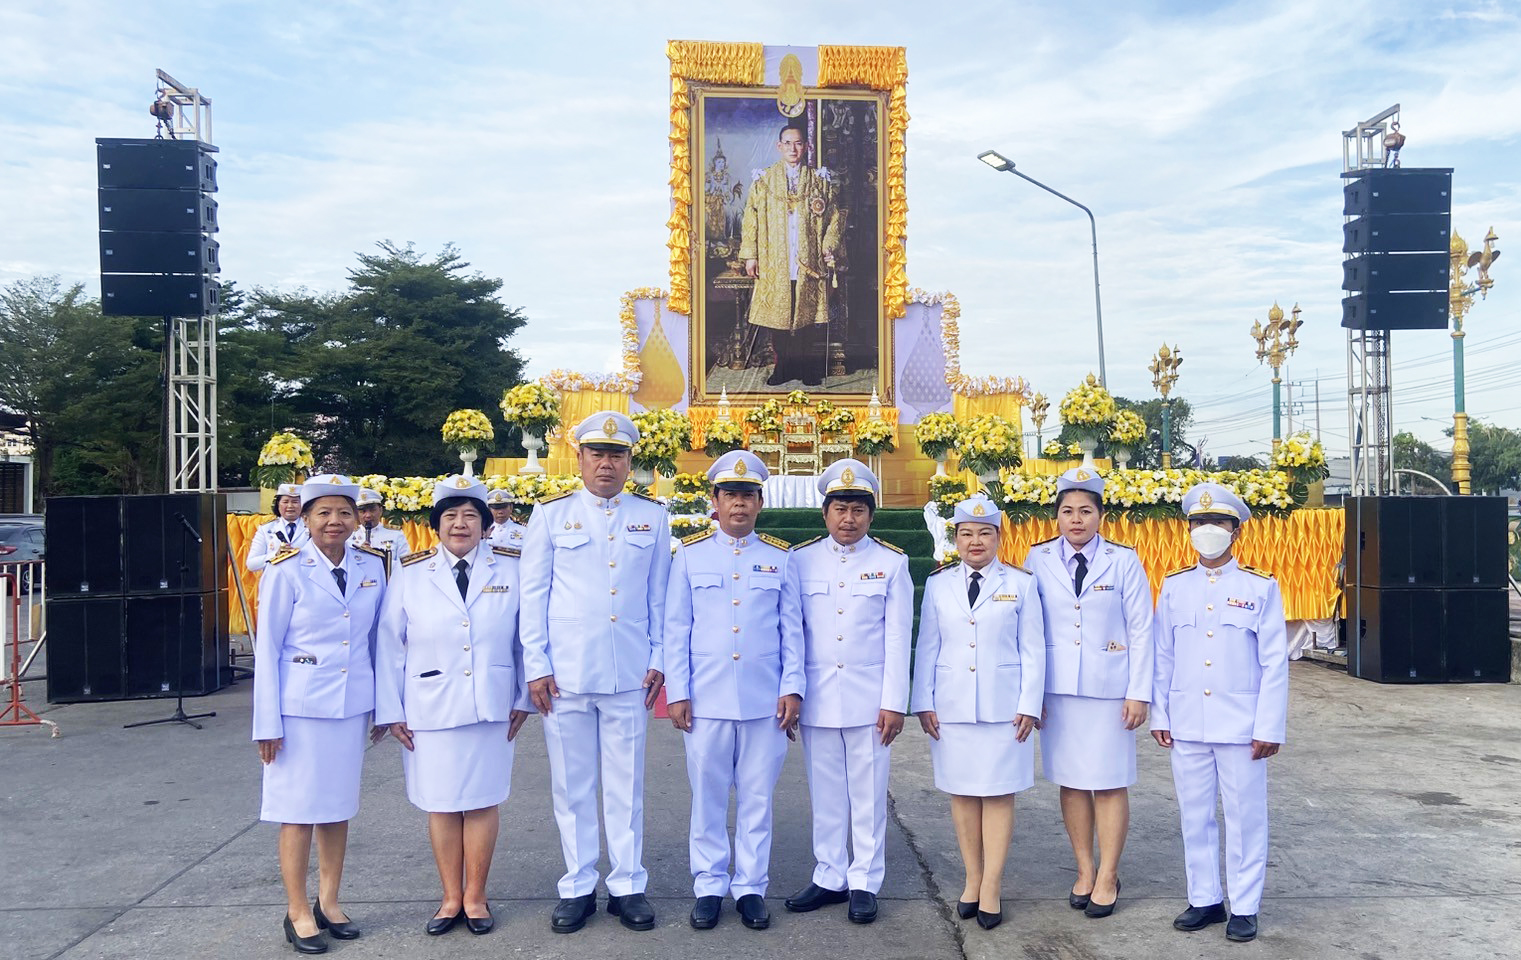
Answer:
(1396, 833)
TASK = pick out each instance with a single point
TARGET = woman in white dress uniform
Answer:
(449, 683)
(979, 669)
(313, 692)
(1098, 681)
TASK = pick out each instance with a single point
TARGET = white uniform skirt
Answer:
(1084, 744)
(458, 769)
(315, 776)
(982, 760)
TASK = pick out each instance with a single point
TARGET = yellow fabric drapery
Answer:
(1006, 405)
(1302, 550)
(703, 62)
(577, 405)
(701, 416)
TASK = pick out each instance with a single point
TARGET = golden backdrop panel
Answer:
(577, 405)
(240, 531)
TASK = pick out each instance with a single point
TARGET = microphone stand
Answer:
(187, 534)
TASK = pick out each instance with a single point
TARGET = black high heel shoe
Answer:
(338, 930)
(988, 921)
(316, 944)
(1078, 901)
(965, 910)
(1095, 910)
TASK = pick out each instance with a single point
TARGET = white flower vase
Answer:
(1121, 457)
(940, 465)
(533, 443)
(467, 457)
(986, 477)
(1088, 445)
(643, 476)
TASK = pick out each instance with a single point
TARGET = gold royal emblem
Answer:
(610, 426)
(739, 468)
(978, 511)
(848, 477)
(1205, 500)
(1083, 476)
(461, 482)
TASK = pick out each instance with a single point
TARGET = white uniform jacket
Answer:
(733, 627)
(269, 538)
(858, 609)
(594, 576)
(1097, 644)
(392, 542)
(509, 534)
(444, 662)
(314, 646)
(1222, 664)
(985, 662)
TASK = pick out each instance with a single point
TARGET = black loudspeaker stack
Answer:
(134, 607)
(1397, 272)
(1426, 589)
(157, 218)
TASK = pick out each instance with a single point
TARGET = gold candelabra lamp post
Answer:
(1164, 373)
(1460, 298)
(1275, 344)
(1039, 407)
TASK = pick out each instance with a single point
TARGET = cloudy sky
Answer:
(1205, 136)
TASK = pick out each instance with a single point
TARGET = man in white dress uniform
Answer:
(594, 572)
(505, 531)
(734, 685)
(1221, 703)
(372, 532)
(285, 530)
(857, 618)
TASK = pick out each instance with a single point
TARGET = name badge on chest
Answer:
(1102, 586)
(496, 588)
(1005, 597)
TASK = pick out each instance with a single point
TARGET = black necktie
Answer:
(290, 533)
(462, 577)
(342, 578)
(973, 588)
(1082, 571)
(367, 535)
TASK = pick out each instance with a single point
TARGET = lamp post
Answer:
(1038, 407)
(998, 161)
(1164, 373)
(1460, 299)
(1275, 344)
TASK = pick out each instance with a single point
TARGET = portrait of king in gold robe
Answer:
(791, 244)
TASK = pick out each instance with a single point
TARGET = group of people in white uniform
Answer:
(585, 615)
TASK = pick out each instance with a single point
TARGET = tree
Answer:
(1238, 462)
(1148, 456)
(1494, 457)
(1412, 453)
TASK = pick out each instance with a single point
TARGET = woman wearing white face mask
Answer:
(1098, 682)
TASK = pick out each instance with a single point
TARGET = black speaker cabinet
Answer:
(158, 295)
(1474, 542)
(84, 546)
(1383, 310)
(156, 543)
(153, 164)
(1429, 635)
(86, 661)
(173, 645)
(1381, 191)
(137, 251)
(1394, 541)
(1477, 631)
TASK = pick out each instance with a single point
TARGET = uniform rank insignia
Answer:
(878, 575)
(1006, 597)
(496, 588)
(285, 554)
(369, 583)
(1243, 604)
(1103, 586)
(638, 528)
(764, 568)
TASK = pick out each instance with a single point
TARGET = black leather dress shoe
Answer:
(966, 910)
(344, 930)
(705, 912)
(1079, 901)
(633, 911)
(1242, 927)
(438, 926)
(1197, 918)
(316, 944)
(753, 912)
(572, 912)
(480, 925)
(814, 896)
(1095, 910)
(863, 906)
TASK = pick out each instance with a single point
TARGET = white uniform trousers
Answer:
(744, 756)
(1197, 769)
(581, 731)
(847, 783)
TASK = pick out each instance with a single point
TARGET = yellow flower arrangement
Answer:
(833, 419)
(988, 443)
(721, 437)
(1302, 456)
(766, 418)
(936, 434)
(1127, 430)
(467, 430)
(284, 457)
(798, 399)
(663, 436)
(1088, 407)
(875, 437)
(1140, 494)
(687, 524)
(690, 483)
(945, 492)
(531, 407)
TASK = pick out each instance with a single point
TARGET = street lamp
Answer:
(1275, 344)
(1164, 373)
(1038, 407)
(1000, 162)
(1460, 299)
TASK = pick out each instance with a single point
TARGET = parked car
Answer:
(21, 541)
